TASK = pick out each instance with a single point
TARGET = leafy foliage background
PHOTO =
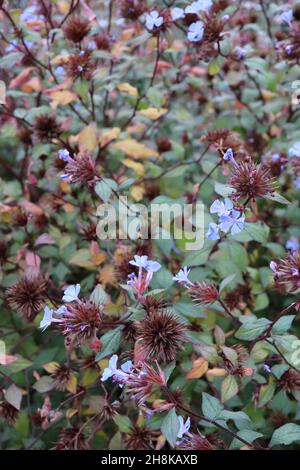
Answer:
(141, 105)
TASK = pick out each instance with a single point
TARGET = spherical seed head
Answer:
(81, 168)
(82, 320)
(161, 335)
(290, 381)
(204, 293)
(61, 376)
(76, 28)
(132, 9)
(223, 139)
(81, 66)
(103, 41)
(27, 296)
(71, 439)
(163, 144)
(8, 413)
(46, 127)
(196, 442)
(152, 304)
(251, 181)
(139, 438)
(288, 272)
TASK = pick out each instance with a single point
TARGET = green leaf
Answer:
(104, 188)
(223, 190)
(170, 427)
(98, 296)
(211, 406)
(20, 364)
(123, 422)
(111, 342)
(276, 197)
(250, 330)
(44, 384)
(229, 388)
(246, 434)
(286, 434)
(266, 393)
(283, 324)
(154, 96)
(13, 395)
(226, 282)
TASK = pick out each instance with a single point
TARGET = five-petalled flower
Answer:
(196, 31)
(154, 20)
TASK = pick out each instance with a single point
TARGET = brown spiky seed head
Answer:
(8, 413)
(204, 293)
(160, 336)
(76, 28)
(27, 296)
(46, 127)
(250, 180)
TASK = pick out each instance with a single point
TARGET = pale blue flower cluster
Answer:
(183, 427)
(154, 20)
(144, 262)
(50, 316)
(113, 372)
(229, 219)
(196, 31)
(182, 277)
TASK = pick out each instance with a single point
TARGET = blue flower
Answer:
(292, 244)
(228, 155)
(235, 222)
(47, 318)
(152, 266)
(139, 261)
(294, 150)
(177, 13)
(114, 372)
(183, 426)
(199, 5)
(221, 208)
(213, 232)
(111, 369)
(71, 293)
(64, 155)
(240, 53)
(297, 182)
(153, 20)
(267, 368)
(182, 276)
(196, 31)
(287, 17)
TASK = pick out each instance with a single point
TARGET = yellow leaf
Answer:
(110, 135)
(129, 89)
(153, 113)
(198, 369)
(51, 367)
(215, 372)
(2, 92)
(63, 7)
(72, 384)
(137, 167)
(87, 138)
(134, 149)
(62, 97)
(137, 192)
(71, 412)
